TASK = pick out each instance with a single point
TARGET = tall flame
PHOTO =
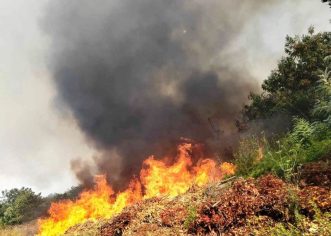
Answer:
(156, 178)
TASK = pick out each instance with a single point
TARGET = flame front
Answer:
(156, 178)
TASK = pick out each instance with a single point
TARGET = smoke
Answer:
(138, 75)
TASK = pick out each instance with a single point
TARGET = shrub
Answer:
(307, 142)
(302, 132)
(18, 206)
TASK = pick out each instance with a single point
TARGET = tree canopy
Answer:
(18, 205)
(291, 87)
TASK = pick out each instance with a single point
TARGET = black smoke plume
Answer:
(138, 75)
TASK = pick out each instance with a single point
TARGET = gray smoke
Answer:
(138, 75)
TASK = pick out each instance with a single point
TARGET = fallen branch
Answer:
(227, 180)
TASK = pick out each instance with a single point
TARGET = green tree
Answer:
(291, 87)
(22, 205)
(18, 206)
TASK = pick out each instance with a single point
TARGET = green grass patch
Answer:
(306, 143)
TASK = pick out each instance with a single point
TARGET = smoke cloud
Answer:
(138, 75)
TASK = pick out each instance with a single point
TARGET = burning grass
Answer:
(157, 178)
(186, 198)
(265, 206)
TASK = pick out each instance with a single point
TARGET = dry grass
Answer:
(28, 229)
(153, 216)
(263, 206)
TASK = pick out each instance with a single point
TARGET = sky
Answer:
(37, 141)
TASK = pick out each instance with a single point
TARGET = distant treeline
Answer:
(22, 205)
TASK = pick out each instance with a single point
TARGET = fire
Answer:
(156, 178)
(160, 179)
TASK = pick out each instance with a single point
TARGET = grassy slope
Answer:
(263, 206)
(299, 209)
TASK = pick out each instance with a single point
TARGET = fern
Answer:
(302, 132)
(322, 108)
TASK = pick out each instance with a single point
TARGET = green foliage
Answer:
(322, 108)
(307, 142)
(191, 217)
(319, 225)
(71, 194)
(321, 221)
(280, 157)
(302, 132)
(22, 205)
(18, 206)
(290, 88)
(284, 230)
(281, 160)
(301, 86)
(294, 207)
(247, 155)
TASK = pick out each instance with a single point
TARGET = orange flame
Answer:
(156, 178)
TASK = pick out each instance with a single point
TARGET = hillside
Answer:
(235, 206)
(262, 206)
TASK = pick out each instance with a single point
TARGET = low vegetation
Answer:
(306, 143)
(303, 156)
(262, 206)
(308, 140)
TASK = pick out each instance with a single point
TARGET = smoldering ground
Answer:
(138, 75)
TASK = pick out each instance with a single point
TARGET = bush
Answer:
(18, 206)
(302, 132)
(307, 142)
